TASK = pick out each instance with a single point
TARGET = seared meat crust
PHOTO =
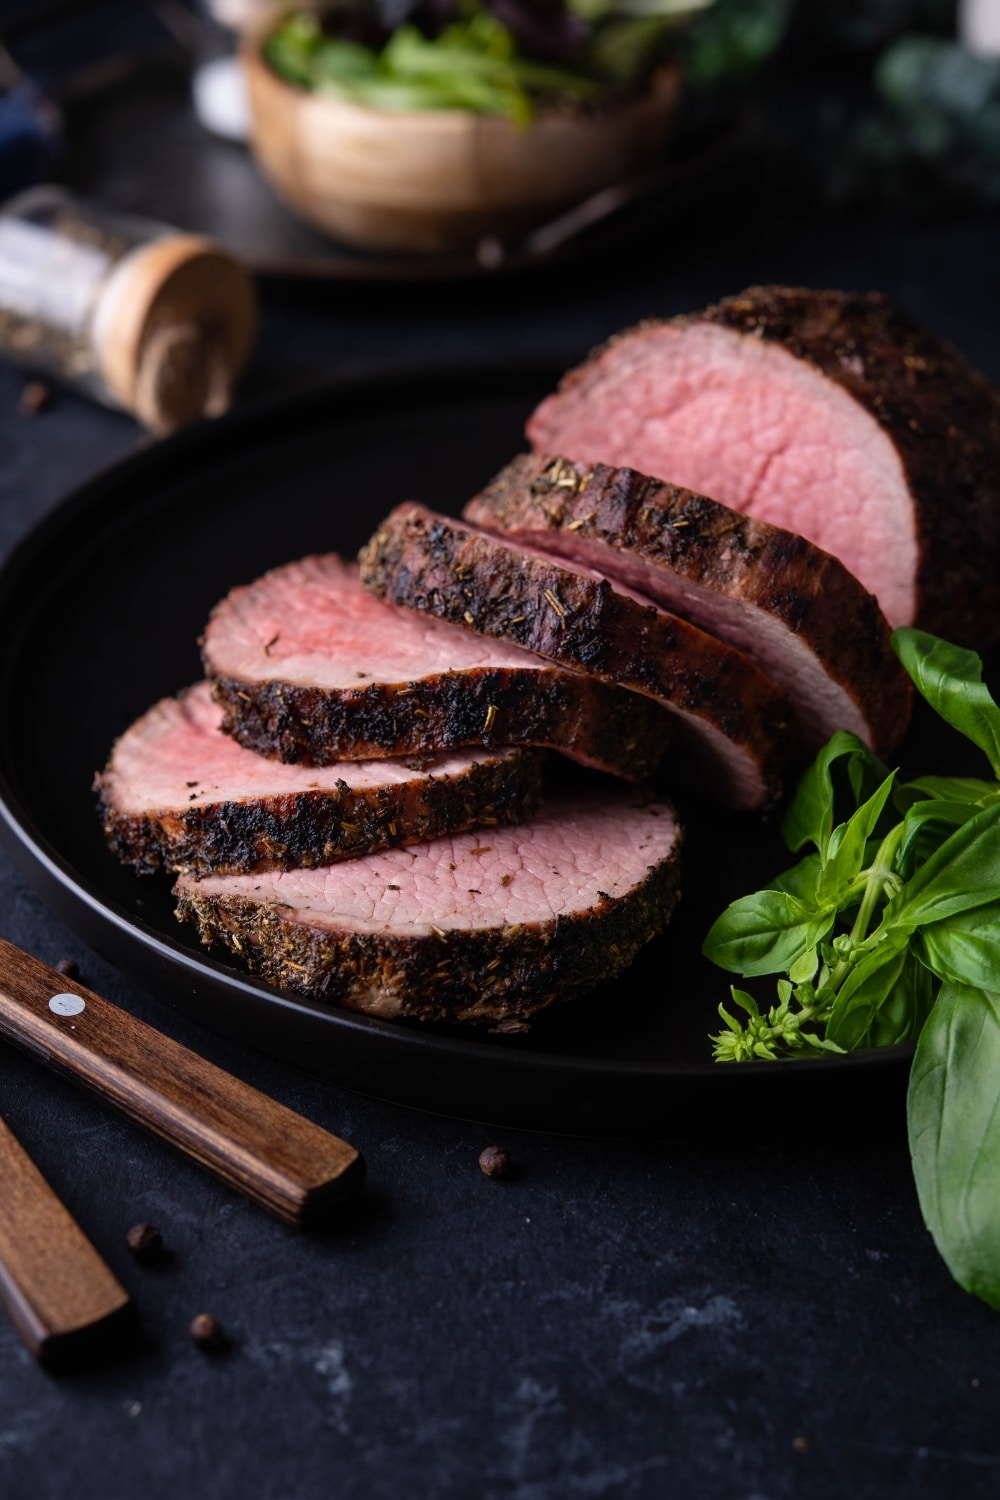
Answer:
(798, 611)
(285, 655)
(599, 725)
(717, 696)
(498, 973)
(203, 831)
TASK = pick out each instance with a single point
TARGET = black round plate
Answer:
(100, 612)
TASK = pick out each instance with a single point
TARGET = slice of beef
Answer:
(793, 608)
(733, 718)
(828, 413)
(178, 794)
(472, 927)
(312, 669)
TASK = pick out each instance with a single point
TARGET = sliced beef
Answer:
(472, 927)
(793, 608)
(827, 413)
(312, 669)
(733, 717)
(178, 794)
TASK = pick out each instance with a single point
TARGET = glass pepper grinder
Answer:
(135, 314)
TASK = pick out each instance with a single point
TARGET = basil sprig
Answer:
(888, 930)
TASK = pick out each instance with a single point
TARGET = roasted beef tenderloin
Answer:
(732, 719)
(180, 795)
(792, 608)
(312, 669)
(481, 927)
(829, 414)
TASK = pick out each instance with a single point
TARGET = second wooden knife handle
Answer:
(281, 1160)
(60, 1295)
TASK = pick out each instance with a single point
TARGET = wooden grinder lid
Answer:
(173, 329)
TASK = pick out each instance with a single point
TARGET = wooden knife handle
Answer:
(280, 1160)
(61, 1297)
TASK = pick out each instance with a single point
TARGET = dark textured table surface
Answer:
(756, 1317)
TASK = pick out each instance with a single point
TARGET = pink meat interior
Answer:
(176, 756)
(312, 623)
(748, 424)
(558, 864)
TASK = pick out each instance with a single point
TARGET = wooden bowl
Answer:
(434, 181)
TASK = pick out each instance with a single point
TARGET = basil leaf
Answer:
(865, 774)
(953, 1117)
(863, 993)
(963, 873)
(904, 1010)
(947, 788)
(745, 1002)
(809, 819)
(765, 933)
(803, 970)
(966, 948)
(951, 679)
(848, 842)
(925, 828)
(802, 880)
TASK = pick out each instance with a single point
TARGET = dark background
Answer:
(759, 1316)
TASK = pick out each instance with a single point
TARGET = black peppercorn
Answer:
(495, 1162)
(33, 399)
(208, 1333)
(69, 968)
(145, 1242)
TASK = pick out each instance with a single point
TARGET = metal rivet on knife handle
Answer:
(61, 1297)
(279, 1159)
